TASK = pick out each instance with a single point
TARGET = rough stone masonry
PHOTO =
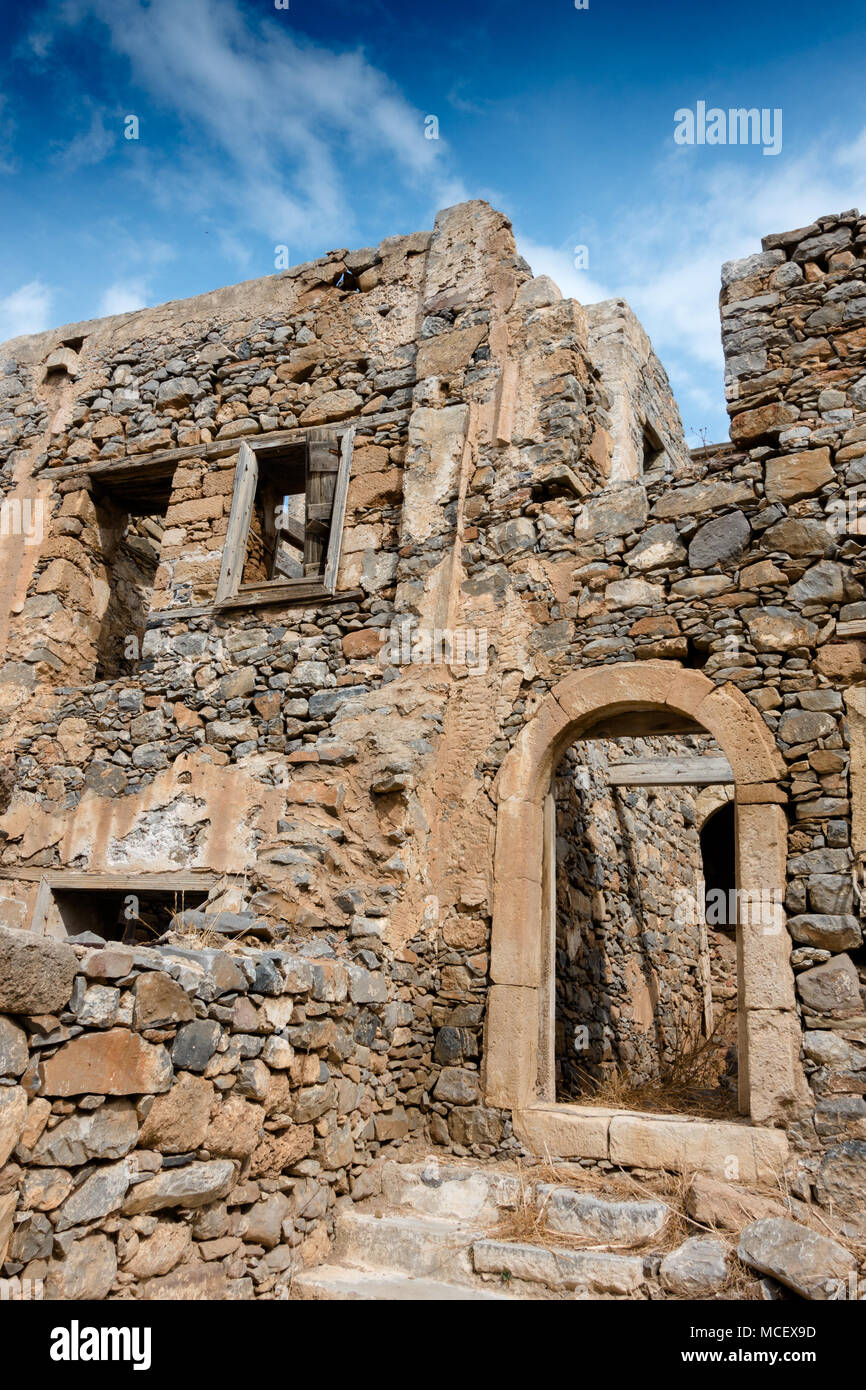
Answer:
(271, 905)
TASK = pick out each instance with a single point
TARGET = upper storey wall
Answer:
(795, 346)
(332, 342)
(645, 418)
(186, 379)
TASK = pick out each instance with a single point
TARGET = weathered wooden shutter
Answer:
(338, 512)
(234, 550)
(323, 463)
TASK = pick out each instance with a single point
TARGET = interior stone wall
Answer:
(131, 569)
(632, 959)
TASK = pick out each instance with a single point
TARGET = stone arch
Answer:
(772, 1084)
(709, 801)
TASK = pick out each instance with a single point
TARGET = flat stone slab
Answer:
(678, 1144)
(109, 1132)
(564, 1131)
(341, 1283)
(115, 1063)
(423, 1247)
(193, 1185)
(559, 1268)
(583, 1214)
(675, 1143)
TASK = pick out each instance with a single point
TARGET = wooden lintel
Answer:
(289, 593)
(164, 460)
(308, 594)
(697, 771)
(184, 879)
(638, 723)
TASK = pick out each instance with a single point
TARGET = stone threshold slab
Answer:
(676, 1143)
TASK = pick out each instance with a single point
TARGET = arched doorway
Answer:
(664, 697)
(645, 931)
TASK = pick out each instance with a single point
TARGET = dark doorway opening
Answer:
(717, 853)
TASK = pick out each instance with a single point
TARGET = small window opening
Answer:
(56, 376)
(346, 281)
(135, 917)
(76, 344)
(653, 448)
(131, 526)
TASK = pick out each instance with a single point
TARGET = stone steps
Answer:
(431, 1237)
(586, 1272)
(438, 1231)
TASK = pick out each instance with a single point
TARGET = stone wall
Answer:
(271, 745)
(645, 420)
(184, 1122)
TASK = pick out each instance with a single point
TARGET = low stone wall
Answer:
(179, 1122)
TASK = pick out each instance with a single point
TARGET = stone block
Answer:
(511, 1046)
(812, 1265)
(115, 1063)
(832, 988)
(792, 476)
(107, 1133)
(562, 1131)
(708, 1146)
(13, 1112)
(177, 1121)
(36, 973)
(194, 1185)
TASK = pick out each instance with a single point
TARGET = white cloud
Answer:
(665, 257)
(26, 310)
(123, 296)
(233, 248)
(559, 265)
(273, 124)
(87, 147)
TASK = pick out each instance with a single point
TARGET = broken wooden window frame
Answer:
(327, 469)
(120, 474)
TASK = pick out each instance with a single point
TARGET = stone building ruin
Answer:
(277, 900)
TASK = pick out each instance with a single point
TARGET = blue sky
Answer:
(305, 127)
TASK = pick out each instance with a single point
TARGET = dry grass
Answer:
(198, 939)
(205, 940)
(689, 1086)
(527, 1223)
